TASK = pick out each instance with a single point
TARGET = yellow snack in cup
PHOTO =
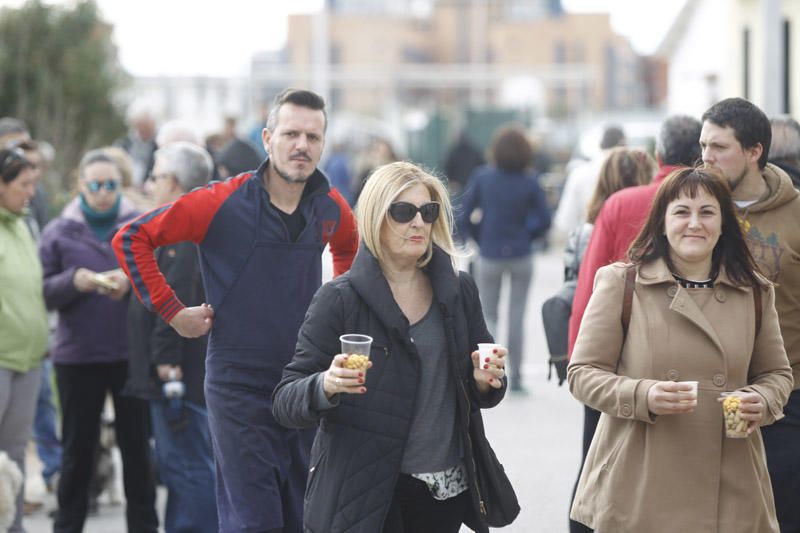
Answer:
(356, 362)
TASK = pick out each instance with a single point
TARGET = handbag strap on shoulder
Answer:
(627, 301)
(757, 302)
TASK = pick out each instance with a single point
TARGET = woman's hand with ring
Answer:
(489, 371)
(338, 379)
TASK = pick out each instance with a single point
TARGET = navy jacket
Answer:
(355, 460)
(514, 212)
(257, 279)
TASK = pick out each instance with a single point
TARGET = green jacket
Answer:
(23, 318)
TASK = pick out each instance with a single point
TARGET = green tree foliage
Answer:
(60, 74)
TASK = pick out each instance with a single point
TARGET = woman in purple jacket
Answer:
(83, 282)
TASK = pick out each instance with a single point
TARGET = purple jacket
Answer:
(91, 328)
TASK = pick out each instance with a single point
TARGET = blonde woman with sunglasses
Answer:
(393, 453)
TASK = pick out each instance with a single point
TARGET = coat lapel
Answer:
(684, 305)
(657, 273)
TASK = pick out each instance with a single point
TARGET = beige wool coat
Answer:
(668, 473)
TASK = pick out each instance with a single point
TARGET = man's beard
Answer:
(289, 178)
(734, 182)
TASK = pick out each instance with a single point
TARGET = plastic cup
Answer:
(486, 349)
(357, 348)
(693, 391)
(735, 425)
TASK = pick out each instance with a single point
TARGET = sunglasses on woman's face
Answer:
(95, 186)
(403, 212)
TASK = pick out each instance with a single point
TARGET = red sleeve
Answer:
(599, 253)
(344, 241)
(187, 219)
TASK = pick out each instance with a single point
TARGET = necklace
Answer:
(695, 284)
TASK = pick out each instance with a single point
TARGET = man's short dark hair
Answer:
(612, 136)
(750, 125)
(298, 97)
(785, 139)
(678, 141)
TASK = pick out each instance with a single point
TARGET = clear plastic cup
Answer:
(735, 425)
(693, 384)
(357, 348)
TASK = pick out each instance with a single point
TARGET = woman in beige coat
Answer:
(660, 460)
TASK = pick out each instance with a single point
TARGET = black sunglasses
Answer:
(403, 212)
(95, 186)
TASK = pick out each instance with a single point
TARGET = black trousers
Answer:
(82, 391)
(782, 446)
(414, 510)
(590, 419)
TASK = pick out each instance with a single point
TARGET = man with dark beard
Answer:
(735, 139)
(260, 236)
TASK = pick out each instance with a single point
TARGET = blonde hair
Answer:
(382, 188)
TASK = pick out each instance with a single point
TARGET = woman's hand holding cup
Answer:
(489, 361)
(348, 370)
(672, 397)
(338, 378)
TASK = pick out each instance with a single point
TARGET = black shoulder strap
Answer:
(627, 302)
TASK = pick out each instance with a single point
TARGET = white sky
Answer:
(185, 37)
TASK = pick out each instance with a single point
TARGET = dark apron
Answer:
(261, 466)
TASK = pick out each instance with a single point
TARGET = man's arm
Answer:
(187, 219)
(180, 267)
(344, 241)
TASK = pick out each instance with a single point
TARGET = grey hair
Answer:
(678, 141)
(190, 164)
(174, 131)
(785, 138)
(12, 125)
(298, 97)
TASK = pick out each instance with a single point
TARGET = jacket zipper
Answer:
(472, 458)
(481, 505)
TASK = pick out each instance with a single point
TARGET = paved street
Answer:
(537, 436)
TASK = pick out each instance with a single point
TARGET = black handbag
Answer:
(497, 499)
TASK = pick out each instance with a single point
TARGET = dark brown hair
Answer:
(12, 162)
(624, 167)
(511, 151)
(731, 250)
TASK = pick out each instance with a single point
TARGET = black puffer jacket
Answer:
(355, 460)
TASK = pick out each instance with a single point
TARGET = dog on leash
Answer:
(10, 485)
(105, 469)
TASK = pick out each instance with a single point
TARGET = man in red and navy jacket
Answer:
(260, 236)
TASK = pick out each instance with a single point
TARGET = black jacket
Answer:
(153, 342)
(355, 460)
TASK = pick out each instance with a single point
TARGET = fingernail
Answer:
(488, 359)
(486, 367)
(491, 380)
(363, 390)
(360, 380)
(360, 375)
(494, 350)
